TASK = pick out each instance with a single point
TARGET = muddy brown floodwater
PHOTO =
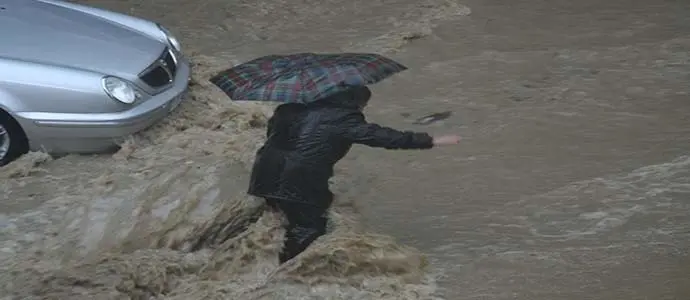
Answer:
(571, 182)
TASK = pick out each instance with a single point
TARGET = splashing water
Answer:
(167, 217)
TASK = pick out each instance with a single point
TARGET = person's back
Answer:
(319, 142)
(302, 147)
(304, 142)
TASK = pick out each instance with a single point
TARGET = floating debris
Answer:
(432, 118)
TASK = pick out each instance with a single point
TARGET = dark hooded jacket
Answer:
(304, 142)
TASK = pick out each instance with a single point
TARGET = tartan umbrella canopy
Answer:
(303, 77)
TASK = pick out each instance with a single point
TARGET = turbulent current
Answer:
(167, 217)
(565, 186)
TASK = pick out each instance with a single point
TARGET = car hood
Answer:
(45, 33)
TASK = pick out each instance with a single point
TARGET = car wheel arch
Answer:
(9, 102)
(15, 129)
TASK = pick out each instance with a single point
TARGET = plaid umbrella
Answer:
(303, 77)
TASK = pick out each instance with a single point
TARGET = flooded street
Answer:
(573, 177)
(571, 181)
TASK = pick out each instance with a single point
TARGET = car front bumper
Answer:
(97, 132)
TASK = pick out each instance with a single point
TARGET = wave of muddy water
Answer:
(167, 217)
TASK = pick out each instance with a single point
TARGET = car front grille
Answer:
(161, 72)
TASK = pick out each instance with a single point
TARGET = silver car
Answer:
(77, 79)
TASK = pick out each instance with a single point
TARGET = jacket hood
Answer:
(352, 98)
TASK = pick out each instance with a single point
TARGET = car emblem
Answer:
(166, 68)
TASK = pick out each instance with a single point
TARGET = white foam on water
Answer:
(603, 204)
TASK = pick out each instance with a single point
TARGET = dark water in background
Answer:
(571, 182)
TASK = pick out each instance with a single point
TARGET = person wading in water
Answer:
(304, 142)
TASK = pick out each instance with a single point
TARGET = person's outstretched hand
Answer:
(446, 140)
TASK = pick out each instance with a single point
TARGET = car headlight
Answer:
(171, 38)
(120, 90)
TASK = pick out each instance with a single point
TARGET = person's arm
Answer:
(355, 129)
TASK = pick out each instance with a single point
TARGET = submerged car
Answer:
(78, 79)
